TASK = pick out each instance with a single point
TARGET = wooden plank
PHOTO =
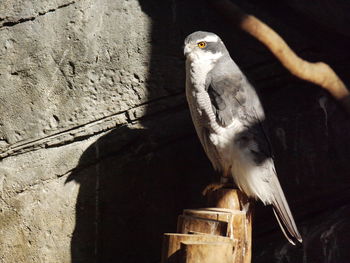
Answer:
(172, 244)
(210, 213)
(188, 224)
(235, 219)
(207, 252)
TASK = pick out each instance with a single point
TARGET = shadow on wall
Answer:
(134, 182)
(132, 193)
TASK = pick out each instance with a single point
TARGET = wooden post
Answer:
(235, 200)
(221, 233)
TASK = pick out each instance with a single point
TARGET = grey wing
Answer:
(226, 95)
(233, 98)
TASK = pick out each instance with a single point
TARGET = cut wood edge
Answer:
(203, 225)
(213, 213)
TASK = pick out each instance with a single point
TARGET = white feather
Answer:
(209, 38)
(198, 65)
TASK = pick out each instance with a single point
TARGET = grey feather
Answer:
(224, 86)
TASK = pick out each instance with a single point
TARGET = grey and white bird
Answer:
(228, 115)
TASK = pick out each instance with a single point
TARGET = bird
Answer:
(228, 118)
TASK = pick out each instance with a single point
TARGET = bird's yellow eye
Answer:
(202, 44)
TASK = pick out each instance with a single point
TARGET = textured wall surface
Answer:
(98, 155)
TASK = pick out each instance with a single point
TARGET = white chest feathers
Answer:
(198, 65)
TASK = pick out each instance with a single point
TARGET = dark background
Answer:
(146, 177)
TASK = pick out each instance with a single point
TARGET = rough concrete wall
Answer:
(99, 155)
(69, 70)
(64, 66)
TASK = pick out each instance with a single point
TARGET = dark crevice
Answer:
(148, 102)
(43, 142)
(13, 23)
(23, 20)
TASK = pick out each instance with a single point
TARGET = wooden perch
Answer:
(204, 252)
(235, 200)
(217, 234)
(318, 73)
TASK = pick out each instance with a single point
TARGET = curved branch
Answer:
(318, 73)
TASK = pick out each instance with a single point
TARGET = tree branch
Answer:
(318, 73)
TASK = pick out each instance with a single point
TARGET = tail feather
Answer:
(284, 215)
(282, 228)
(289, 229)
(261, 182)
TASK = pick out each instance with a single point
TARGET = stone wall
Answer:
(98, 153)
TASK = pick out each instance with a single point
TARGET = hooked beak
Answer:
(187, 50)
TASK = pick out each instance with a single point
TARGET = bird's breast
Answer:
(197, 71)
(223, 137)
(222, 140)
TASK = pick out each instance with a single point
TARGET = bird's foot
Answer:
(215, 186)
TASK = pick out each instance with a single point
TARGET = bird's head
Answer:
(204, 46)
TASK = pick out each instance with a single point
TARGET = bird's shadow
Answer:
(131, 191)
